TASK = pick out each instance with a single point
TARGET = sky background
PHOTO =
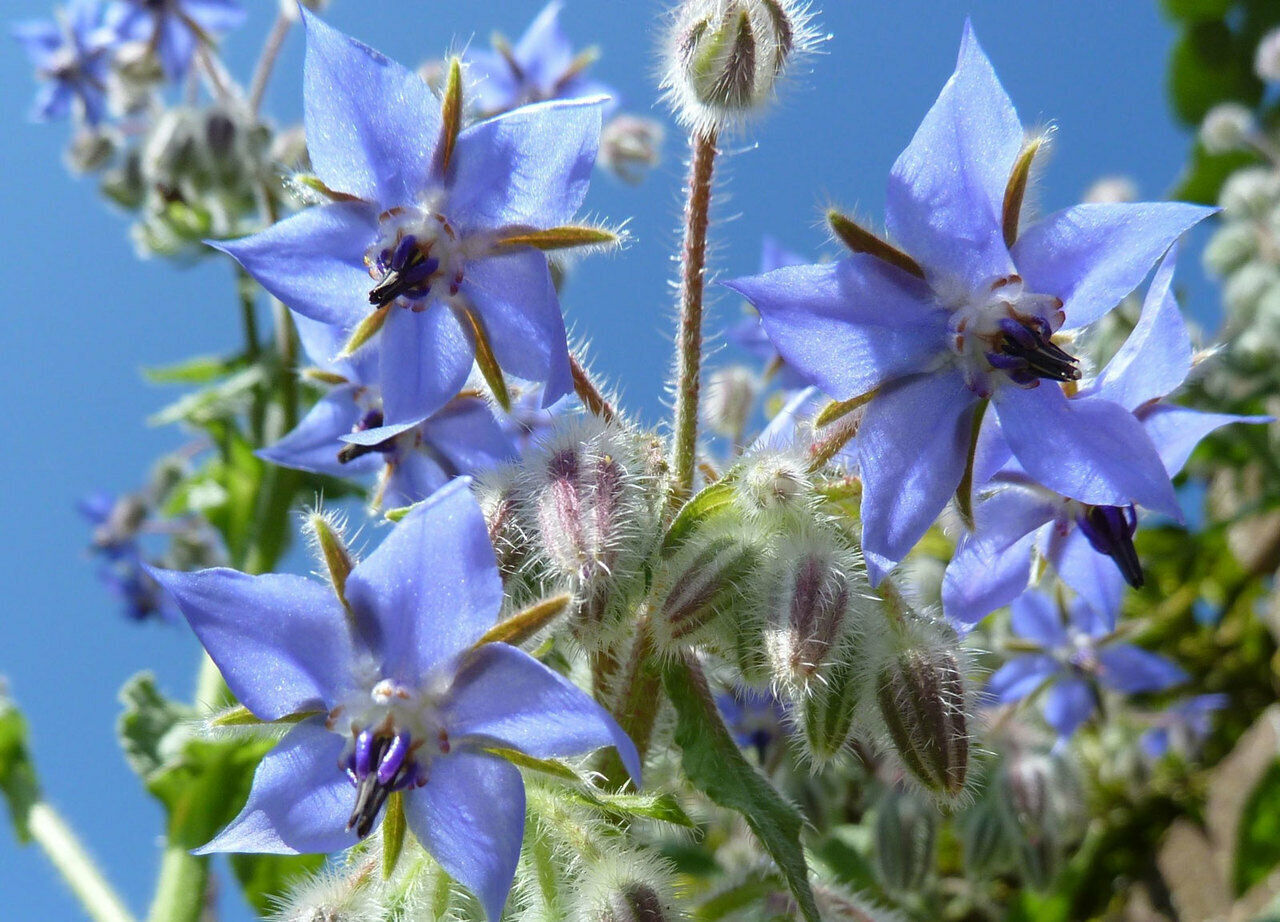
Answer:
(83, 313)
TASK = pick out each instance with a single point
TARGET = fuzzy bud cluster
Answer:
(1227, 127)
(708, 580)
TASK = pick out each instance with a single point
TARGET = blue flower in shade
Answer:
(1183, 726)
(541, 66)
(1075, 654)
(399, 698)
(411, 461)
(174, 28)
(960, 314)
(748, 333)
(74, 56)
(116, 524)
(416, 235)
(756, 719)
(1014, 515)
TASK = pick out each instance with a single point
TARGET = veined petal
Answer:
(848, 326)
(1020, 677)
(1034, 615)
(431, 589)
(1091, 256)
(912, 447)
(425, 360)
(1089, 449)
(529, 167)
(1069, 704)
(507, 697)
(1156, 358)
(946, 191)
(470, 817)
(515, 298)
(1176, 431)
(1132, 670)
(314, 443)
(299, 802)
(313, 261)
(280, 641)
(1095, 577)
(372, 125)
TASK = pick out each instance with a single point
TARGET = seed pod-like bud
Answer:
(499, 501)
(632, 886)
(772, 484)
(1227, 127)
(905, 832)
(631, 146)
(1266, 60)
(90, 150)
(1034, 797)
(1231, 248)
(724, 57)
(731, 394)
(707, 579)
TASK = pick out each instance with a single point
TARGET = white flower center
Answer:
(415, 260)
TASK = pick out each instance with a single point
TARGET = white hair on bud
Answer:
(349, 892)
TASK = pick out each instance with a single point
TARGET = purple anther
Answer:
(363, 754)
(371, 420)
(416, 275)
(393, 760)
(404, 249)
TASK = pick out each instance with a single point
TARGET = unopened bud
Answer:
(703, 582)
(124, 184)
(630, 146)
(1227, 127)
(985, 841)
(809, 607)
(500, 504)
(1266, 60)
(1035, 793)
(1231, 248)
(731, 394)
(1250, 193)
(773, 483)
(905, 832)
(635, 903)
(90, 150)
(1112, 190)
(627, 886)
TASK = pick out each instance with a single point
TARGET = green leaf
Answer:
(201, 369)
(1196, 10)
(221, 401)
(18, 781)
(151, 730)
(717, 767)
(1258, 836)
(1202, 178)
(845, 853)
(1210, 64)
(706, 505)
(265, 879)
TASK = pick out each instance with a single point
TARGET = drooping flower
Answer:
(1077, 652)
(411, 461)
(1183, 726)
(542, 65)
(1014, 515)
(757, 719)
(117, 524)
(399, 697)
(430, 242)
(73, 55)
(967, 310)
(175, 28)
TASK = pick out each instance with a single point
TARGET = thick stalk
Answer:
(693, 263)
(68, 856)
(638, 701)
(180, 892)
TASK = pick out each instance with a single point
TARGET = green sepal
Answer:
(393, 830)
(200, 369)
(18, 781)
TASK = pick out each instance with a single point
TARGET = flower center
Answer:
(1004, 330)
(1109, 530)
(415, 260)
(372, 419)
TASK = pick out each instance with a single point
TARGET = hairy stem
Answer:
(62, 847)
(689, 337)
(267, 61)
(637, 704)
(588, 393)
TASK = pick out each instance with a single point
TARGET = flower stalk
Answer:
(62, 847)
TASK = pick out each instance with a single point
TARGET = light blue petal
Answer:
(1069, 704)
(505, 697)
(468, 436)
(848, 326)
(1092, 256)
(280, 641)
(982, 578)
(299, 802)
(1089, 621)
(412, 478)
(176, 47)
(1034, 616)
(314, 261)
(425, 359)
(526, 168)
(912, 447)
(945, 203)
(40, 39)
(516, 299)
(1089, 449)
(1176, 431)
(372, 125)
(1095, 577)
(431, 589)
(314, 443)
(491, 84)
(1020, 677)
(1132, 670)
(470, 817)
(53, 101)
(543, 50)
(773, 255)
(215, 16)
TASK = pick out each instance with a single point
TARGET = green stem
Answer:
(637, 705)
(61, 846)
(267, 60)
(180, 892)
(689, 338)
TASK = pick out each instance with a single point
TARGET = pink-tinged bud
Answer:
(809, 610)
(703, 582)
(905, 832)
(499, 498)
(631, 146)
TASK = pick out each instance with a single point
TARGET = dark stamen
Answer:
(379, 766)
(1109, 530)
(371, 420)
(1026, 347)
(406, 270)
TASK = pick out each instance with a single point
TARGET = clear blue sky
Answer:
(83, 313)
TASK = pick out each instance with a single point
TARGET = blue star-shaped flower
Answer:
(541, 66)
(1183, 726)
(418, 235)
(960, 314)
(1084, 542)
(117, 524)
(1071, 658)
(400, 698)
(74, 56)
(174, 28)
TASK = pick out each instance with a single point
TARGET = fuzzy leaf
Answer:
(700, 510)
(151, 729)
(18, 781)
(200, 369)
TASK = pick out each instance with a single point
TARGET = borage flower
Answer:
(401, 700)
(748, 333)
(1013, 514)
(118, 523)
(174, 28)
(431, 243)
(542, 65)
(1183, 726)
(967, 311)
(74, 56)
(1075, 651)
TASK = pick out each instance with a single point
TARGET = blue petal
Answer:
(1088, 448)
(468, 436)
(516, 299)
(1132, 670)
(1069, 704)
(53, 101)
(176, 46)
(1092, 256)
(470, 817)
(314, 443)
(912, 448)
(215, 16)
(40, 39)
(376, 435)
(323, 342)
(411, 479)
(280, 641)
(945, 204)
(1095, 577)
(299, 802)
(426, 357)
(372, 125)
(491, 84)
(543, 50)
(1034, 616)
(431, 589)
(848, 326)
(507, 698)
(314, 261)
(1176, 431)
(526, 168)
(1020, 677)
(979, 580)
(1089, 621)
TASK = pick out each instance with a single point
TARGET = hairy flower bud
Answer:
(731, 394)
(984, 839)
(773, 483)
(905, 832)
(1036, 796)
(499, 500)
(704, 581)
(630, 146)
(1227, 127)
(1266, 60)
(1250, 193)
(632, 886)
(1231, 248)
